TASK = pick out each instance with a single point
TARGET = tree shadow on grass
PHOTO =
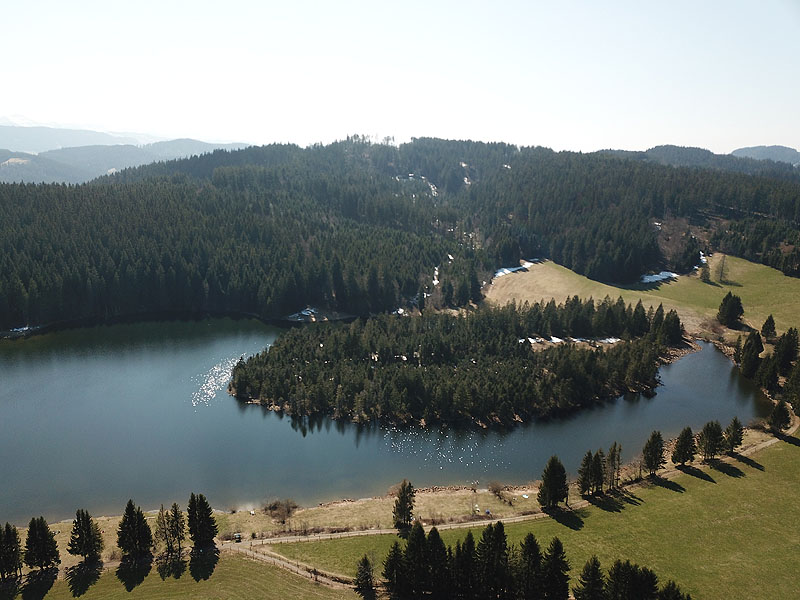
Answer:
(695, 472)
(747, 461)
(615, 500)
(727, 468)
(38, 583)
(9, 589)
(203, 561)
(170, 565)
(607, 503)
(667, 484)
(83, 576)
(132, 571)
(567, 517)
(789, 439)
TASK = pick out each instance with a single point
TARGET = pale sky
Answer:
(575, 75)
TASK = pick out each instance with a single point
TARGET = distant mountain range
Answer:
(679, 156)
(91, 154)
(776, 153)
(41, 139)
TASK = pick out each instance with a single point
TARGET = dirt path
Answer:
(265, 555)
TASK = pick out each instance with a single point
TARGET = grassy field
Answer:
(234, 578)
(726, 533)
(763, 291)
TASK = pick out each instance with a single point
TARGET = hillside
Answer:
(736, 162)
(362, 228)
(774, 153)
(41, 139)
(23, 167)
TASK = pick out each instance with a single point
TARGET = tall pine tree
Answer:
(85, 539)
(134, 537)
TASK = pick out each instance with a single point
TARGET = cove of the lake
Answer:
(91, 417)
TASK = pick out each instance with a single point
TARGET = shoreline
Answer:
(287, 321)
(456, 498)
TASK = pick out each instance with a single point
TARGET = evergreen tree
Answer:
(730, 310)
(10, 552)
(555, 572)
(415, 559)
(554, 484)
(492, 561)
(734, 433)
(598, 471)
(176, 526)
(780, 417)
(440, 583)
(447, 292)
(591, 585)
(200, 517)
(737, 350)
(85, 539)
(134, 537)
(786, 351)
(529, 572)
(394, 572)
(653, 453)
(672, 328)
(750, 354)
(628, 581)
(791, 389)
(364, 584)
(404, 507)
(768, 328)
(767, 374)
(41, 550)
(465, 569)
(462, 293)
(474, 286)
(585, 478)
(710, 441)
(614, 463)
(685, 447)
(163, 533)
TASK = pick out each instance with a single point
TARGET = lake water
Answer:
(91, 417)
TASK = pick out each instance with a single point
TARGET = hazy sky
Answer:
(579, 75)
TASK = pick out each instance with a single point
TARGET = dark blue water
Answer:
(92, 417)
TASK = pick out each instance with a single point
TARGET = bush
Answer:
(280, 510)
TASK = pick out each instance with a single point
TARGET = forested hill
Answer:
(360, 227)
(484, 366)
(738, 161)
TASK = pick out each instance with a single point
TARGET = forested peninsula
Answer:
(490, 366)
(363, 228)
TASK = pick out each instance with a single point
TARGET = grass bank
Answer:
(763, 291)
(729, 531)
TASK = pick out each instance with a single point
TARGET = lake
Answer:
(91, 417)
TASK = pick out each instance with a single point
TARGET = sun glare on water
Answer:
(212, 381)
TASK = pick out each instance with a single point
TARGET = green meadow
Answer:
(763, 291)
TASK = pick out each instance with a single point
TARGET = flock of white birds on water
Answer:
(446, 448)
